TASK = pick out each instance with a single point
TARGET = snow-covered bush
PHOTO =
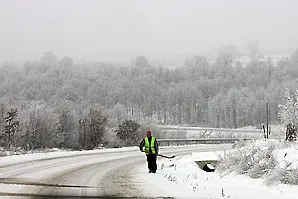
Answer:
(111, 140)
(262, 159)
(3, 152)
(253, 160)
(277, 131)
(284, 175)
(128, 132)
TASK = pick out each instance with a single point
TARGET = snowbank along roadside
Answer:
(182, 178)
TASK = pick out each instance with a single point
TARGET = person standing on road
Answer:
(151, 151)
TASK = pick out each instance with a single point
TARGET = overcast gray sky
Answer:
(122, 29)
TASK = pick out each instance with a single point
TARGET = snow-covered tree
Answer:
(48, 60)
(199, 92)
(141, 61)
(288, 112)
(66, 62)
(11, 126)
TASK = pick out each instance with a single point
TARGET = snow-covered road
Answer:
(95, 174)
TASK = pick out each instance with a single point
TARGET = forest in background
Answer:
(56, 103)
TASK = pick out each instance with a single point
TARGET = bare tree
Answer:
(92, 129)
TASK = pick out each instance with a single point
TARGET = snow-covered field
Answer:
(182, 178)
(245, 60)
(171, 131)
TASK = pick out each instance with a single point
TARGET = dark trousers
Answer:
(151, 159)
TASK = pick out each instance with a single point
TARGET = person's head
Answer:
(149, 134)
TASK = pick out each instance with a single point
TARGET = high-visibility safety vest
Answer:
(149, 145)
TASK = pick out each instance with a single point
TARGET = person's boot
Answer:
(150, 171)
(153, 171)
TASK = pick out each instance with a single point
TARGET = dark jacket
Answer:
(142, 145)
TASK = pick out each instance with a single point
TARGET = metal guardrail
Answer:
(203, 140)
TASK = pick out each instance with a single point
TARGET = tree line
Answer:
(80, 105)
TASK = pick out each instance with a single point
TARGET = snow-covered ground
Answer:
(245, 60)
(179, 177)
(182, 178)
(95, 173)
